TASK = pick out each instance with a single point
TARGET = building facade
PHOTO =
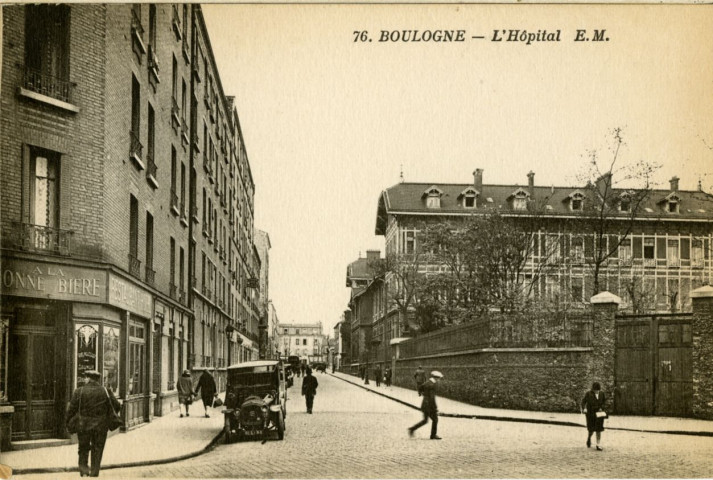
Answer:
(305, 340)
(658, 253)
(127, 211)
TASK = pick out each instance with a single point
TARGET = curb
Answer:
(528, 420)
(211, 445)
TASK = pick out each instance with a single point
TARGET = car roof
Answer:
(256, 363)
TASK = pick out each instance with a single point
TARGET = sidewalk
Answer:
(165, 439)
(452, 408)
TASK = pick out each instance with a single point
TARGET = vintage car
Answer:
(255, 401)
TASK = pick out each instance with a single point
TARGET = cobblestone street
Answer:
(357, 434)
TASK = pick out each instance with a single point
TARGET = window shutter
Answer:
(26, 182)
(661, 248)
(65, 192)
(636, 246)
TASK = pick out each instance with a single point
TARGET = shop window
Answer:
(86, 338)
(110, 357)
(137, 358)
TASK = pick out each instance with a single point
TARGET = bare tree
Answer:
(608, 213)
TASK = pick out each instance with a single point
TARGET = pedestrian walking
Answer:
(309, 388)
(206, 385)
(185, 391)
(593, 408)
(387, 376)
(302, 369)
(377, 375)
(428, 406)
(361, 372)
(420, 377)
(87, 415)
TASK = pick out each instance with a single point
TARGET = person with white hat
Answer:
(428, 406)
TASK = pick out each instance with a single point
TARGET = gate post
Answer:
(605, 305)
(702, 330)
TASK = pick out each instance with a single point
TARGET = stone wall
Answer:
(703, 352)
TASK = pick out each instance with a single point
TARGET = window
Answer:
(171, 357)
(44, 202)
(577, 249)
(185, 23)
(136, 147)
(183, 99)
(183, 189)
(576, 202)
(625, 203)
(172, 265)
(149, 246)
(47, 51)
(519, 203)
(181, 269)
(151, 139)
(304, 341)
(649, 258)
(174, 180)
(297, 341)
(152, 25)
(204, 208)
(433, 200)
(674, 260)
(110, 357)
(697, 252)
(409, 239)
(133, 234)
(673, 205)
(625, 250)
(137, 358)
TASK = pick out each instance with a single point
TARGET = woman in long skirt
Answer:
(592, 403)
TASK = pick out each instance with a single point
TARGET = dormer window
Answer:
(518, 199)
(625, 203)
(576, 202)
(433, 197)
(468, 197)
(673, 203)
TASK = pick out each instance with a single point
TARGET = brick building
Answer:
(127, 211)
(667, 253)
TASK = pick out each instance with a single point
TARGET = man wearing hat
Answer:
(428, 406)
(92, 402)
(420, 377)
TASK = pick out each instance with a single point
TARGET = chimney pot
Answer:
(478, 180)
(674, 184)
(531, 183)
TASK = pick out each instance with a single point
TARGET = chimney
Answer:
(372, 255)
(674, 184)
(478, 180)
(531, 184)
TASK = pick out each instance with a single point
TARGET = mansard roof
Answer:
(407, 198)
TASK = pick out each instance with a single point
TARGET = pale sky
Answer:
(328, 122)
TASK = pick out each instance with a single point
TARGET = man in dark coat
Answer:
(309, 388)
(377, 375)
(206, 385)
(428, 406)
(420, 377)
(92, 402)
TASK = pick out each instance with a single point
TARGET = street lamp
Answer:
(229, 334)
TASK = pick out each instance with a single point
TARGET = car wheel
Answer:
(280, 425)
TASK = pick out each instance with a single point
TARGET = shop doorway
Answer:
(32, 391)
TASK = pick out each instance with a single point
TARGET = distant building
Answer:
(305, 340)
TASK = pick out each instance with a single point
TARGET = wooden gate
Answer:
(652, 367)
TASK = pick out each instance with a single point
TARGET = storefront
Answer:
(57, 321)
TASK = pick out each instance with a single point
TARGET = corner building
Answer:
(126, 205)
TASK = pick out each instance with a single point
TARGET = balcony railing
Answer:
(40, 238)
(136, 149)
(175, 113)
(151, 170)
(47, 85)
(184, 215)
(184, 130)
(134, 266)
(174, 201)
(177, 23)
(150, 275)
